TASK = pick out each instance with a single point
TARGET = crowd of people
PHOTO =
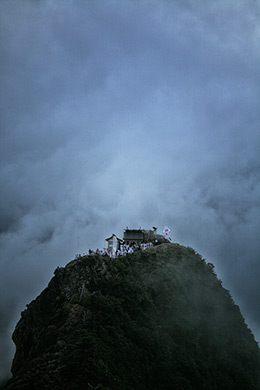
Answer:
(123, 250)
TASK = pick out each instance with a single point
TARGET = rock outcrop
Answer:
(155, 319)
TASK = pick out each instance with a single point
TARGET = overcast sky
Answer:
(128, 113)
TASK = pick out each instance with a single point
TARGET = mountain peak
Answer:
(153, 319)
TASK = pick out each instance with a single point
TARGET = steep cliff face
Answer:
(155, 319)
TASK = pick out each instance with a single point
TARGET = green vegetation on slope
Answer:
(156, 319)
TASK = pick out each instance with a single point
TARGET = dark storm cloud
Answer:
(140, 114)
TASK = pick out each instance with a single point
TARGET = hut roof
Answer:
(113, 235)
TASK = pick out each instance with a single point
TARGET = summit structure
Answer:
(140, 235)
(136, 237)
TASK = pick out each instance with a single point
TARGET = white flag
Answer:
(166, 230)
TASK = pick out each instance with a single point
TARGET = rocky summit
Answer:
(156, 319)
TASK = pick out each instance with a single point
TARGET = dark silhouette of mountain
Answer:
(155, 319)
